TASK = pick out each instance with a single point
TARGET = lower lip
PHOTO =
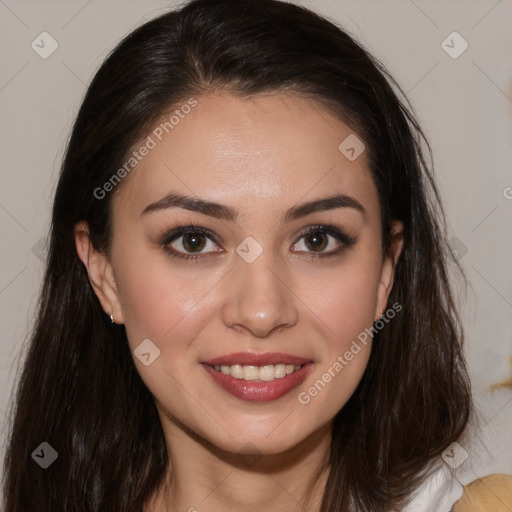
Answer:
(259, 391)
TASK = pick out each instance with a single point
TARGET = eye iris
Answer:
(193, 242)
(316, 241)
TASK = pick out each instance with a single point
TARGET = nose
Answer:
(258, 297)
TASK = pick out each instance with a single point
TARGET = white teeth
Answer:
(237, 371)
(251, 372)
(280, 371)
(265, 373)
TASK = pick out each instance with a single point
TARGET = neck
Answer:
(207, 479)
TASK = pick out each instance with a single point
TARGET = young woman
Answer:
(246, 303)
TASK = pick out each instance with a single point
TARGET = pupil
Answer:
(316, 240)
(193, 242)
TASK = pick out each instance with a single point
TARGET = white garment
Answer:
(438, 493)
(444, 487)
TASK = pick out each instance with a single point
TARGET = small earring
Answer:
(112, 322)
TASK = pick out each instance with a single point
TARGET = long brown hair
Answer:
(79, 389)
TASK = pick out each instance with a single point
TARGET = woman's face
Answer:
(276, 308)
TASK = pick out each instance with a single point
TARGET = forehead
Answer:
(267, 150)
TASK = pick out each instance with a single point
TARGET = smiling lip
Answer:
(257, 390)
(249, 358)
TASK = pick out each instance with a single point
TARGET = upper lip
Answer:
(252, 359)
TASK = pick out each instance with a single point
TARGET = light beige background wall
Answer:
(463, 103)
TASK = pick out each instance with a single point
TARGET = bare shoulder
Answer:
(492, 493)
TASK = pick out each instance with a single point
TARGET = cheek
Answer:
(171, 310)
(162, 304)
(344, 308)
(345, 299)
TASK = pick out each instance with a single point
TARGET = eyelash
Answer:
(345, 240)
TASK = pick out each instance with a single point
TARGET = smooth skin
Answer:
(260, 156)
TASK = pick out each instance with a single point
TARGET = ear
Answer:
(99, 271)
(388, 267)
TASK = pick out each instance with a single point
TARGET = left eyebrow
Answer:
(220, 211)
(319, 205)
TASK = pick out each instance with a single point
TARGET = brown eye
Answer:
(323, 241)
(190, 242)
(316, 241)
(194, 242)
